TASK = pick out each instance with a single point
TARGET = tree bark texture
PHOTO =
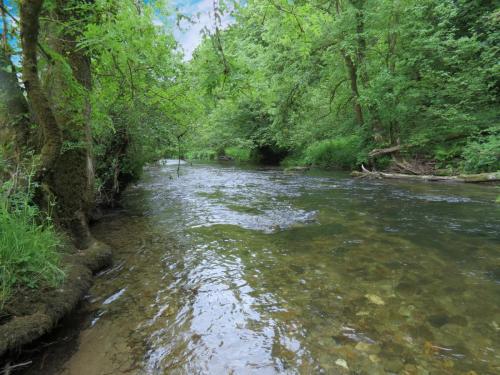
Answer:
(72, 178)
(14, 113)
(52, 136)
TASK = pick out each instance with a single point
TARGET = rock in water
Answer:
(342, 363)
(375, 299)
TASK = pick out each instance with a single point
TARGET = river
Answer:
(228, 269)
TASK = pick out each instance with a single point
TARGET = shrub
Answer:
(343, 152)
(293, 160)
(239, 153)
(201, 155)
(482, 156)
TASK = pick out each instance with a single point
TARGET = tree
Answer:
(418, 75)
(14, 113)
(66, 168)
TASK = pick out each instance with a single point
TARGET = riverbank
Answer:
(387, 173)
(31, 313)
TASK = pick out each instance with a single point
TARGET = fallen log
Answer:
(467, 178)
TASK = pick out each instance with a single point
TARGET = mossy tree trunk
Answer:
(68, 87)
(62, 109)
(14, 114)
(52, 137)
(352, 74)
(353, 79)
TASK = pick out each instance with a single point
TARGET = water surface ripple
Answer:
(232, 270)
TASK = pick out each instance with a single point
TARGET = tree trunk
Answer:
(360, 40)
(72, 178)
(5, 31)
(353, 78)
(376, 122)
(63, 114)
(352, 74)
(14, 113)
(52, 137)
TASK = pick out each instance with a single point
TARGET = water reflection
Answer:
(230, 270)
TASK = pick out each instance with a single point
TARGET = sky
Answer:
(202, 12)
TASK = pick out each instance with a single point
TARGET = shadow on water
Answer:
(248, 270)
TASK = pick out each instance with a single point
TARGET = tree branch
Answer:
(384, 151)
(40, 47)
(280, 8)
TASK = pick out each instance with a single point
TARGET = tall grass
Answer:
(29, 244)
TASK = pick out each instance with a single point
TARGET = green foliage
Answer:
(239, 153)
(426, 76)
(334, 153)
(483, 155)
(294, 160)
(29, 255)
(140, 112)
(236, 153)
(201, 154)
(447, 156)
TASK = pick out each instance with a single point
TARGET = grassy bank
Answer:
(29, 253)
(42, 276)
(29, 244)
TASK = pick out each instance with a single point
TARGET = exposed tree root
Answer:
(35, 313)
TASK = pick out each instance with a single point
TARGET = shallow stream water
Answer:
(241, 270)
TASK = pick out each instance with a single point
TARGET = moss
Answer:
(73, 191)
(33, 313)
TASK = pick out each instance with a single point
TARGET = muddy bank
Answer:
(33, 313)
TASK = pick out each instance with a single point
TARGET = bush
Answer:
(293, 160)
(239, 153)
(28, 243)
(343, 153)
(482, 156)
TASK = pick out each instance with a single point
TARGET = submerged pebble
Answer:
(342, 363)
(375, 299)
